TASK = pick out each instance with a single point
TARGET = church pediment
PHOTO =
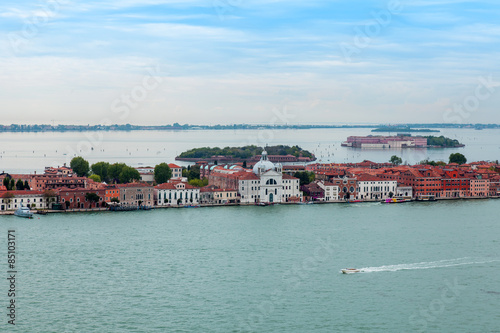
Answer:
(272, 173)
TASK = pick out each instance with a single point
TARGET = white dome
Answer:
(263, 165)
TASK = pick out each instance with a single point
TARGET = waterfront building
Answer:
(479, 187)
(382, 142)
(454, 184)
(313, 192)
(375, 188)
(72, 198)
(265, 183)
(424, 181)
(12, 200)
(212, 195)
(404, 191)
(495, 186)
(111, 192)
(331, 191)
(176, 193)
(348, 187)
(136, 194)
(268, 184)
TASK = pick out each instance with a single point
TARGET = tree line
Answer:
(11, 184)
(244, 152)
(120, 173)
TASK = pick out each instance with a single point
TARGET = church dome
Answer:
(263, 165)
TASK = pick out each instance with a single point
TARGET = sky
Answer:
(155, 62)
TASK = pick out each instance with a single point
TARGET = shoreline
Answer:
(101, 210)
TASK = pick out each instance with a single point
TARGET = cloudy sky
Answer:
(249, 61)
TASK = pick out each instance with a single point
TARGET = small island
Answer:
(442, 142)
(249, 154)
(401, 129)
(400, 141)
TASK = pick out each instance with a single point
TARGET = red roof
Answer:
(171, 186)
(16, 193)
(174, 166)
(133, 185)
(369, 178)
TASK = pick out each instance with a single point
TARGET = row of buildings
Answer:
(381, 142)
(265, 183)
(372, 181)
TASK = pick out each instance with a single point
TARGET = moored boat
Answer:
(24, 212)
(395, 200)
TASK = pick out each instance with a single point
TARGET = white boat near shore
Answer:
(24, 212)
(350, 270)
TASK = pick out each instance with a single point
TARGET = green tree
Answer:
(7, 183)
(12, 184)
(427, 162)
(95, 178)
(114, 171)
(396, 160)
(80, 166)
(128, 175)
(305, 177)
(27, 185)
(458, 158)
(92, 197)
(101, 169)
(194, 172)
(162, 173)
(20, 185)
(199, 182)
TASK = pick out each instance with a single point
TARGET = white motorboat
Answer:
(24, 212)
(350, 270)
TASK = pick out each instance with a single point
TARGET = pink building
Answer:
(479, 187)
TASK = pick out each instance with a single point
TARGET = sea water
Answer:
(427, 267)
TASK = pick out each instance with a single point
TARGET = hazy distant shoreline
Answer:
(177, 127)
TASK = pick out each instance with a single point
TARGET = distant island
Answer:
(442, 142)
(249, 154)
(400, 141)
(179, 127)
(404, 130)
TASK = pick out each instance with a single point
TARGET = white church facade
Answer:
(267, 184)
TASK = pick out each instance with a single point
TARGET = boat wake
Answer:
(428, 265)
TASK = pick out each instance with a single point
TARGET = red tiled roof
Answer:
(172, 166)
(369, 178)
(16, 193)
(133, 185)
(171, 186)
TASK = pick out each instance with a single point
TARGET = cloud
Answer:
(259, 54)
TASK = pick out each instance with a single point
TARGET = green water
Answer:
(429, 267)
